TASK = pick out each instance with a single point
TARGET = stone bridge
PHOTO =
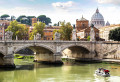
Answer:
(51, 51)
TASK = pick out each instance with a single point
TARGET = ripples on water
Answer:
(28, 71)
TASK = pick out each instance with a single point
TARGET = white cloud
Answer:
(63, 5)
(111, 15)
(116, 2)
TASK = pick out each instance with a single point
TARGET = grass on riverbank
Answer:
(18, 56)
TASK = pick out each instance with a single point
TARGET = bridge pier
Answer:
(8, 61)
(57, 58)
(48, 58)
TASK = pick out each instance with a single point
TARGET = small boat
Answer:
(102, 72)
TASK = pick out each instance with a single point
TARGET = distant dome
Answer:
(97, 19)
(107, 24)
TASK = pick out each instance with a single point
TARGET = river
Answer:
(28, 71)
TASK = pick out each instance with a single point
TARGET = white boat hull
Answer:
(102, 74)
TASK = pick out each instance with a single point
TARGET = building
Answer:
(3, 25)
(83, 34)
(48, 32)
(97, 19)
(82, 24)
(107, 23)
(34, 20)
(104, 31)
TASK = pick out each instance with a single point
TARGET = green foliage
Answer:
(4, 16)
(55, 24)
(88, 38)
(23, 57)
(30, 19)
(38, 28)
(78, 39)
(66, 31)
(27, 20)
(20, 17)
(19, 30)
(115, 34)
(54, 33)
(16, 55)
(44, 19)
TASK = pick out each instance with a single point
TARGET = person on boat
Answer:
(106, 71)
(99, 70)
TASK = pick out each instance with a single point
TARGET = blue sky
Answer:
(59, 10)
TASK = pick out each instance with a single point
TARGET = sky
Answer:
(60, 10)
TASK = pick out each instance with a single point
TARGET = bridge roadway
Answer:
(97, 49)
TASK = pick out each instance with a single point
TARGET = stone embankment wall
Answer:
(108, 50)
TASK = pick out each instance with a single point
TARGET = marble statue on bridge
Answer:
(57, 36)
(8, 35)
(92, 33)
(38, 36)
(74, 33)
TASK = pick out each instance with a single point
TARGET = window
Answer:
(0, 38)
(83, 25)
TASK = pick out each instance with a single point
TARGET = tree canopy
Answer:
(38, 28)
(25, 19)
(4, 16)
(115, 34)
(19, 30)
(44, 19)
(20, 17)
(66, 31)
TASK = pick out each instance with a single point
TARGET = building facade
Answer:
(82, 24)
(34, 20)
(3, 25)
(83, 34)
(48, 32)
(104, 31)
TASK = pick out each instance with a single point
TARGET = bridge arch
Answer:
(27, 46)
(75, 51)
(1, 58)
(68, 46)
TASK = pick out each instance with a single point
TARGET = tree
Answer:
(13, 18)
(38, 28)
(44, 19)
(88, 38)
(115, 34)
(20, 17)
(55, 24)
(66, 31)
(4, 16)
(25, 19)
(19, 30)
(30, 19)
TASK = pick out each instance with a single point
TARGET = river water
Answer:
(28, 71)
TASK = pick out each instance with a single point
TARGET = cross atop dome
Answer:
(97, 10)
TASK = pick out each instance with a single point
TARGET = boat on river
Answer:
(102, 72)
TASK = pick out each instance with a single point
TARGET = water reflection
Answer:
(28, 71)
